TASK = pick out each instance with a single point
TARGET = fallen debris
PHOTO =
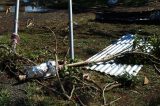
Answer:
(122, 46)
(40, 71)
(104, 61)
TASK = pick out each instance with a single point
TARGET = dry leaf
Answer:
(146, 81)
(86, 76)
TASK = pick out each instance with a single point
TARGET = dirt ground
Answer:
(90, 36)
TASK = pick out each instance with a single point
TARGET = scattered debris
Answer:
(109, 104)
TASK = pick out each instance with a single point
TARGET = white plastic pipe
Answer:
(16, 17)
(71, 30)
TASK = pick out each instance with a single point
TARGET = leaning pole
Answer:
(15, 36)
(71, 31)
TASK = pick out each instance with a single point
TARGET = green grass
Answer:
(36, 97)
(4, 97)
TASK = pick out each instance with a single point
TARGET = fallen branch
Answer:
(83, 63)
(61, 85)
(103, 93)
(57, 69)
(80, 101)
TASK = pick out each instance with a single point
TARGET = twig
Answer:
(80, 101)
(84, 82)
(158, 70)
(113, 86)
(57, 73)
(58, 77)
(64, 40)
(95, 84)
(108, 87)
(65, 58)
(113, 101)
(72, 92)
(104, 98)
(134, 91)
(154, 62)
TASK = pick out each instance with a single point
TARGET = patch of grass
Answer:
(5, 39)
(36, 96)
(4, 97)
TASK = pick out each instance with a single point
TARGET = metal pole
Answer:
(16, 17)
(15, 36)
(71, 30)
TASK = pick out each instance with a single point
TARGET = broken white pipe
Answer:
(71, 30)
